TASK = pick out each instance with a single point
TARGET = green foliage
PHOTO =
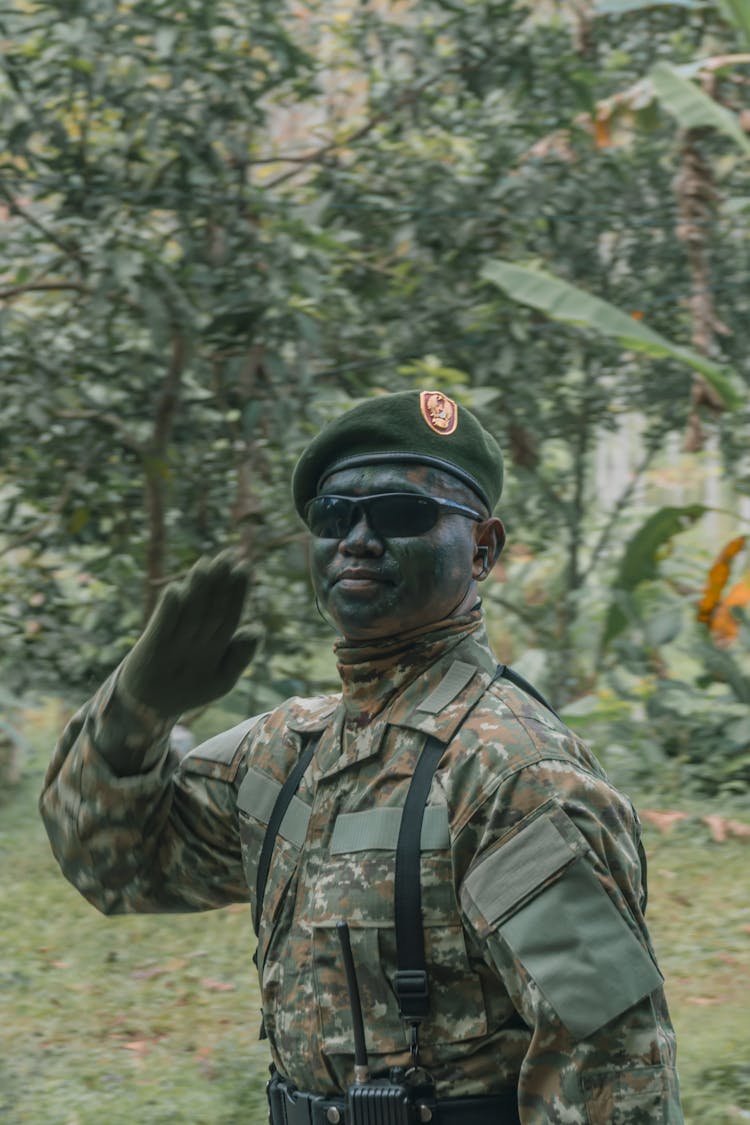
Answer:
(640, 560)
(721, 1094)
(707, 733)
(737, 13)
(190, 284)
(567, 303)
(692, 108)
(618, 7)
(687, 718)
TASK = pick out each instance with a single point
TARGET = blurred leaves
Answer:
(222, 226)
(738, 13)
(694, 109)
(640, 562)
(567, 303)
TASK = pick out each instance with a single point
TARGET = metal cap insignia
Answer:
(439, 412)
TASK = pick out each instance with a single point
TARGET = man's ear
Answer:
(489, 542)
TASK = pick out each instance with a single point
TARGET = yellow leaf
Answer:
(724, 625)
(717, 579)
(602, 132)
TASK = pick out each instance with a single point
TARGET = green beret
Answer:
(424, 427)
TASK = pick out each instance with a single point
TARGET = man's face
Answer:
(374, 587)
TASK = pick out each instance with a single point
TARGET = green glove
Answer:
(191, 651)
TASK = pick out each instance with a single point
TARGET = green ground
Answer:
(152, 1020)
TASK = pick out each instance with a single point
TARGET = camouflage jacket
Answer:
(541, 971)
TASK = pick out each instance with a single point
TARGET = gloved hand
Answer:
(191, 651)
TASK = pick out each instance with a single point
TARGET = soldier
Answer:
(541, 1001)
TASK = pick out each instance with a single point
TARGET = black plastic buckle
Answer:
(410, 986)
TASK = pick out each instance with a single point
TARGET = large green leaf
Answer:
(640, 562)
(692, 108)
(565, 302)
(737, 12)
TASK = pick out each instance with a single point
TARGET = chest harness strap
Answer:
(283, 800)
(410, 981)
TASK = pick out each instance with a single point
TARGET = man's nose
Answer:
(361, 539)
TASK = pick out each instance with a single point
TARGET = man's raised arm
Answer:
(124, 832)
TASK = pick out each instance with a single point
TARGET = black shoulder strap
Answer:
(288, 789)
(520, 682)
(410, 981)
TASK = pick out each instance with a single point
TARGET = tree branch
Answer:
(407, 98)
(32, 532)
(107, 419)
(43, 286)
(70, 250)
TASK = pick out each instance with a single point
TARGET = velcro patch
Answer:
(222, 747)
(257, 796)
(517, 869)
(454, 681)
(378, 829)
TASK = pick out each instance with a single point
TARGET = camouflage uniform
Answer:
(541, 971)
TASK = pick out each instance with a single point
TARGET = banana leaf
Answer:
(640, 561)
(693, 109)
(562, 301)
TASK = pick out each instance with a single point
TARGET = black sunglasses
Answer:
(390, 514)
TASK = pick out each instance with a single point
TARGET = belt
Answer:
(288, 1106)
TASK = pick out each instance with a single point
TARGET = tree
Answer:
(191, 295)
(151, 330)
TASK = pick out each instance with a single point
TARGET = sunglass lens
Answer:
(330, 517)
(402, 515)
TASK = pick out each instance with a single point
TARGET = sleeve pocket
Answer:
(645, 1093)
(539, 894)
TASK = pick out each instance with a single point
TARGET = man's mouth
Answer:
(355, 576)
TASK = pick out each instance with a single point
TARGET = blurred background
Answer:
(221, 224)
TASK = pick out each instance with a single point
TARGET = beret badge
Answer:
(439, 412)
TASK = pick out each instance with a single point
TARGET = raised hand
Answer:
(191, 651)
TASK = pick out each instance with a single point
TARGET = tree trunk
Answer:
(696, 200)
(156, 472)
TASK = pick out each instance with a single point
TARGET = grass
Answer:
(154, 1019)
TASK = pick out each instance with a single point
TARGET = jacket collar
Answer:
(439, 691)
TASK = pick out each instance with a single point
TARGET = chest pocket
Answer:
(358, 886)
(255, 802)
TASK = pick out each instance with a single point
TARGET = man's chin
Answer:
(362, 622)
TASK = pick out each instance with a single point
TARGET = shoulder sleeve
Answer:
(552, 892)
(163, 839)
(221, 755)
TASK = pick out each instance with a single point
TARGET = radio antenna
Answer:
(361, 1065)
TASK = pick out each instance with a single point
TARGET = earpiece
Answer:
(484, 554)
